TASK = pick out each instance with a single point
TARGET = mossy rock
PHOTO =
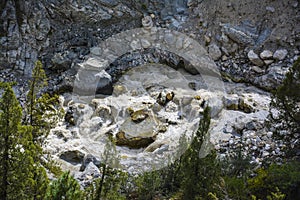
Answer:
(139, 116)
(134, 142)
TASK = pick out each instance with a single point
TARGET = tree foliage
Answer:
(201, 176)
(285, 177)
(65, 187)
(112, 179)
(287, 99)
(40, 112)
(16, 149)
(23, 174)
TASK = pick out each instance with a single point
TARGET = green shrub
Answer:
(285, 177)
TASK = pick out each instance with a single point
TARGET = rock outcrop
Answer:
(97, 54)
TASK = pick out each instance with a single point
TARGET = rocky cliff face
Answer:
(58, 32)
(61, 33)
(247, 44)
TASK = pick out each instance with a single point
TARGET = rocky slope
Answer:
(146, 108)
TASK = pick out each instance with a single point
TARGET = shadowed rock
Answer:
(74, 157)
(134, 142)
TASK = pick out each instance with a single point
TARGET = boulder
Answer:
(139, 115)
(280, 54)
(216, 106)
(214, 52)
(133, 142)
(105, 113)
(89, 158)
(62, 61)
(90, 173)
(245, 106)
(266, 54)
(72, 156)
(254, 58)
(274, 77)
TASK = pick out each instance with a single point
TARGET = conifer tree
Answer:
(201, 176)
(41, 115)
(66, 187)
(287, 99)
(40, 107)
(108, 186)
(16, 155)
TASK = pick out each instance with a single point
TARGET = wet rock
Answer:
(254, 58)
(280, 54)
(214, 52)
(134, 142)
(72, 156)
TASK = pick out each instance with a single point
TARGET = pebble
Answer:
(270, 8)
(258, 139)
(265, 154)
(207, 39)
(269, 134)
